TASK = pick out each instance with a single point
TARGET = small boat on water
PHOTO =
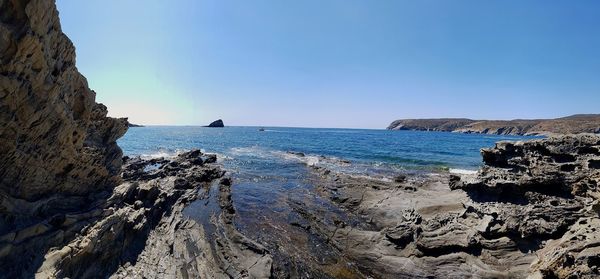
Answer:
(261, 129)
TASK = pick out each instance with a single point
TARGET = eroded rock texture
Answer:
(558, 166)
(178, 246)
(67, 210)
(531, 211)
(58, 153)
(141, 232)
(552, 185)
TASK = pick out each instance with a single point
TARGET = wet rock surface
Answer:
(140, 229)
(179, 247)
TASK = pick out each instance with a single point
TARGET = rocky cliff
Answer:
(575, 124)
(58, 149)
(69, 208)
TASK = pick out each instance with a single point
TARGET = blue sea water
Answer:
(272, 181)
(368, 152)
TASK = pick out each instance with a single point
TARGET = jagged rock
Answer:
(140, 231)
(558, 166)
(65, 212)
(58, 151)
(575, 255)
(142, 214)
(522, 215)
(557, 180)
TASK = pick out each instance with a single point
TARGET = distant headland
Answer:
(574, 124)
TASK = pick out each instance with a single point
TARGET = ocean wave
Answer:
(311, 159)
(462, 171)
(372, 170)
(162, 153)
(172, 153)
(255, 151)
(220, 157)
(379, 170)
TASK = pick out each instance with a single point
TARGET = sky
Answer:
(336, 63)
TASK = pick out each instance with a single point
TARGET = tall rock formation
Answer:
(68, 208)
(58, 148)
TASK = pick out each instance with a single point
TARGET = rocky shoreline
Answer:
(574, 124)
(71, 206)
(531, 211)
(523, 215)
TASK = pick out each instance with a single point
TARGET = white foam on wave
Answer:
(308, 160)
(462, 171)
(170, 154)
(162, 153)
(377, 171)
(220, 157)
(252, 150)
(311, 160)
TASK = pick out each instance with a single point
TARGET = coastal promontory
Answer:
(574, 124)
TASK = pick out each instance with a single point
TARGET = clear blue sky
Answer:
(336, 63)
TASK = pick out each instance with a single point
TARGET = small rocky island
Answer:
(71, 206)
(575, 124)
(216, 124)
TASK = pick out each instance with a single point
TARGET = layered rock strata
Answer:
(58, 154)
(550, 175)
(531, 211)
(65, 209)
(142, 213)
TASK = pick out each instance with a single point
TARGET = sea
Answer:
(272, 187)
(268, 151)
